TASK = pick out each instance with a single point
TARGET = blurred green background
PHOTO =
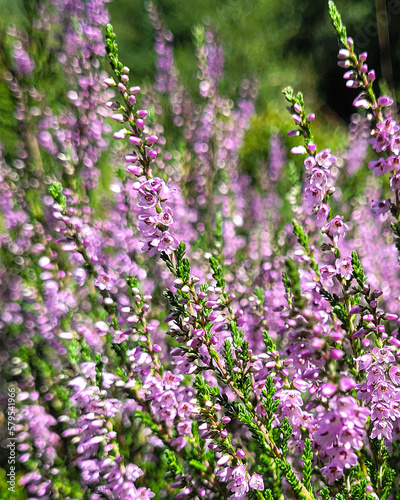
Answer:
(282, 42)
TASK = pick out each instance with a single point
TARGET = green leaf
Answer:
(307, 461)
(358, 271)
(337, 23)
(56, 191)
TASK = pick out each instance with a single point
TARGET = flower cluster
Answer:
(167, 332)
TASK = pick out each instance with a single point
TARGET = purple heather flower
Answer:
(344, 268)
(395, 144)
(344, 458)
(387, 127)
(326, 275)
(385, 101)
(376, 374)
(80, 276)
(147, 224)
(256, 482)
(165, 218)
(346, 384)
(313, 195)
(381, 429)
(380, 207)
(23, 63)
(147, 199)
(379, 167)
(165, 192)
(318, 177)
(393, 163)
(395, 182)
(336, 227)
(380, 411)
(153, 184)
(383, 355)
(325, 159)
(239, 484)
(322, 214)
(332, 472)
(310, 162)
(394, 374)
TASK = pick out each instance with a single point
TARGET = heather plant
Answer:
(201, 332)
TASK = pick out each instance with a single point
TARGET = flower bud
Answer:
(152, 154)
(118, 117)
(371, 75)
(110, 82)
(136, 141)
(151, 139)
(298, 150)
(343, 54)
(385, 101)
